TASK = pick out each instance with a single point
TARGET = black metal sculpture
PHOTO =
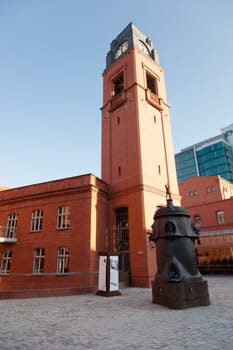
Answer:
(178, 283)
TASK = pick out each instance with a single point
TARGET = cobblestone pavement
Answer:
(129, 321)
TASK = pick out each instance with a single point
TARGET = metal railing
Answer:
(7, 237)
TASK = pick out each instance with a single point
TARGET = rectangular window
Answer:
(6, 261)
(36, 220)
(118, 84)
(220, 217)
(11, 225)
(151, 83)
(38, 261)
(197, 219)
(63, 217)
(63, 257)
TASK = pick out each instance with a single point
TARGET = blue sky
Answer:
(52, 56)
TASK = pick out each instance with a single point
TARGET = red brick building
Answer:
(52, 233)
(209, 201)
(49, 236)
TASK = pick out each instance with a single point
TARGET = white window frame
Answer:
(36, 220)
(6, 261)
(11, 225)
(38, 261)
(197, 219)
(63, 217)
(220, 217)
(63, 257)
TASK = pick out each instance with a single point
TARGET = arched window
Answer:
(220, 217)
(11, 225)
(38, 261)
(36, 220)
(63, 257)
(63, 217)
(6, 261)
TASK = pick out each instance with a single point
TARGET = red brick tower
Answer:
(137, 151)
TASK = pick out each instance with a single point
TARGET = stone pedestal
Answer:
(181, 295)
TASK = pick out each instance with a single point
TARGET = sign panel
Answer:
(114, 273)
(102, 273)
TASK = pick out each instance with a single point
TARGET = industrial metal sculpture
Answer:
(178, 283)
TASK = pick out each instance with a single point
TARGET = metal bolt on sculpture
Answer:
(178, 283)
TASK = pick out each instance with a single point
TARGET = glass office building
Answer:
(213, 156)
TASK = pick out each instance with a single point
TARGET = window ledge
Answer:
(154, 100)
(117, 101)
(8, 240)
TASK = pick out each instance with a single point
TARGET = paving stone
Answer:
(129, 321)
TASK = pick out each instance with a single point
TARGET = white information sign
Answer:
(114, 273)
(102, 273)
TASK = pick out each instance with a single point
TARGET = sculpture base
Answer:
(180, 295)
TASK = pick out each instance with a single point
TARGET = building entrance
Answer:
(122, 244)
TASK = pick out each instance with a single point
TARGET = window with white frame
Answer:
(38, 261)
(220, 217)
(63, 217)
(63, 257)
(36, 220)
(6, 261)
(11, 225)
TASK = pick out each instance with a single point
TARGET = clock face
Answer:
(143, 47)
(121, 49)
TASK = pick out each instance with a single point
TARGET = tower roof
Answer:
(130, 37)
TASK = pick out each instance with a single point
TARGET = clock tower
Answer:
(137, 151)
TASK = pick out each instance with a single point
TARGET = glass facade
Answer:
(186, 165)
(205, 160)
(216, 159)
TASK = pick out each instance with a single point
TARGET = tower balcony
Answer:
(7, 237)
(153, 99)
(117, 100)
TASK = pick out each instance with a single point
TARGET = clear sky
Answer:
(52, 55)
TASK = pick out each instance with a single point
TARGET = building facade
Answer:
(209, 201)
(52, 233)
(49, 236)
(213, 156)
